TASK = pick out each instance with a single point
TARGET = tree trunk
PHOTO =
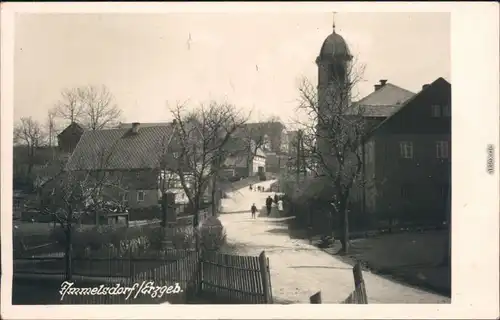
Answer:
(343, 227)
(69, 253)
(345, 231)
(196, 222)
(214, 202)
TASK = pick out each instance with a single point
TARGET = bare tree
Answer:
(70, 106)
(100, 110)
(28, 132)
(91, 106)
(332, 138)
(200, 140)
(69, 196)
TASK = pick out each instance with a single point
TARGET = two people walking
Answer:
(269, 203)
(278, 202)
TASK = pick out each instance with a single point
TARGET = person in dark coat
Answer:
(254, 210)
(269, 204)
(275, 198)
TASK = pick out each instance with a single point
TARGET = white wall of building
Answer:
(258, 162)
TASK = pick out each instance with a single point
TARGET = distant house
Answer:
(241, 163)
(276, 162)
(407, 155)
(69, 137)
(273, 140)
(18, 201)
(274, 133)
(30, 170)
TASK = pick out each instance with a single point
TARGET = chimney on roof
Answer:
(425, 86)
(135, 127)
(380, 84)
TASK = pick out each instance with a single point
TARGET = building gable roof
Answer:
(383, 102)
(72, 126)
(120, 149)
(436, 84)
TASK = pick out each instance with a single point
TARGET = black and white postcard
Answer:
(170, 155)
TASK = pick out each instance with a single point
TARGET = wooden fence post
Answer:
(359, 284)
(316, 298)
(199, 284)
(266, 281)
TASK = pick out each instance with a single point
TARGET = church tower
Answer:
(334, 63)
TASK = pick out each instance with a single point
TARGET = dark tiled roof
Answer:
(236, 162)
(120, 149)
(383, 102)
(438, 83)
(73, 126)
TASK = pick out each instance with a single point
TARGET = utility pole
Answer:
(304, 166)
(298, 164)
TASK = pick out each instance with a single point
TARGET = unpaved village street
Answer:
(298, 269)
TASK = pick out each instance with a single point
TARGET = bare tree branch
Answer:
(333, 134)
(201, 141)
(91, 106)
(69, 107)
(29, 132)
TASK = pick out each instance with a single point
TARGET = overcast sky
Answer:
(251, 60)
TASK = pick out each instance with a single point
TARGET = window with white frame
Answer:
(447, 110)
(436, 110)
(406, 149)
(140, 195)
(442, 150)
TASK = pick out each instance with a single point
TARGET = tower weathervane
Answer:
(333, 14)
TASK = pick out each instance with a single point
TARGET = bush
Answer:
(182, 238)
(212, 234)
(104, 240)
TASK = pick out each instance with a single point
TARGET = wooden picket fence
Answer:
(211, 276)
(235, 279)
(358, 296)
(182, 272)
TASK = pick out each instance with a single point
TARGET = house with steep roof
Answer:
(240, 161)
(137, 159)
(384, 101)
(407, 155)
(272, 139)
